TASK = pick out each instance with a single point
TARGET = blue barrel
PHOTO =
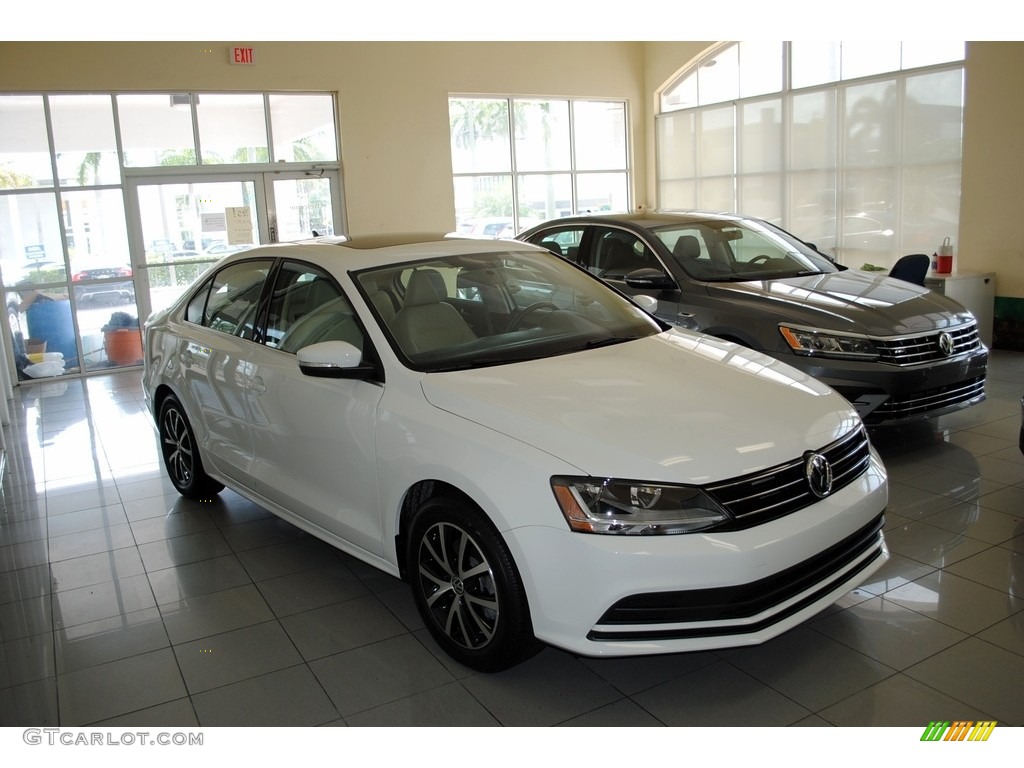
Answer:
(51, 320)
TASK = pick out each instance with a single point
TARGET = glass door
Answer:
(185, 224)
(303, 205)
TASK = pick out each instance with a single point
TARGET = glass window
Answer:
(813, 62)
(83, 139)
(300, 308)
(24, 150)
(542, 197)
(542, 135)
(600, 135)
(568, 156)
(602, 192)
(718, 76)
(480, 135)
(303, 127)
(156, 129)
(858, 156)
(861, 58)
(232, 128)
(96, 232)
(234, 298)
(564, 242)
(760, 67)
(196, 310)
(31, 252)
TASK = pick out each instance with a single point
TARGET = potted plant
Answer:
(122, 339)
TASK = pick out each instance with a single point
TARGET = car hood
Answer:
(676, 407)
(850, 300)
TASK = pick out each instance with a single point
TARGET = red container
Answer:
(945, 265)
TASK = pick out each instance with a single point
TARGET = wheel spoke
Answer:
(457, 585)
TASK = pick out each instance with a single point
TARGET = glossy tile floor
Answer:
(123, 604)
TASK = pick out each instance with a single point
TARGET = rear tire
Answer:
(466, 586)
(181, 453)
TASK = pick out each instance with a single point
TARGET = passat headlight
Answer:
(804, 341)
(628, 507)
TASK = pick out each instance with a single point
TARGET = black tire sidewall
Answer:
(513, 636)
(201, 485)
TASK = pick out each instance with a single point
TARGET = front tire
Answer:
(181, 453)
(466, 586)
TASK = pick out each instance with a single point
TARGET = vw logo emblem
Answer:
(945, 344)
(818, 472)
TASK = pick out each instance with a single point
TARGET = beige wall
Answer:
(992, 191)
(394, 120)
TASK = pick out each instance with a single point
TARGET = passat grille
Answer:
(925, 348)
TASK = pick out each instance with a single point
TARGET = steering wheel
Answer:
(759, 259)
(517, 316)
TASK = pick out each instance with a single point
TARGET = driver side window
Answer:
(615, 253)
(307, 307)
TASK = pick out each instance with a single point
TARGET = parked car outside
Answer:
(223, 248)
(897, 351)
(494, 226)
(88, 292)
(539, 458)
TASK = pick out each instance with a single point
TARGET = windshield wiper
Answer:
(608, 342)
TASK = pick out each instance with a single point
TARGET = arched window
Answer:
(855, 147)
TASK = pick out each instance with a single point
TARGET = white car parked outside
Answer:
(538, 457)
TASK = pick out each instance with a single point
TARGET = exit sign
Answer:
(242, 55)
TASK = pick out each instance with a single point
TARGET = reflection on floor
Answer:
(123, 604)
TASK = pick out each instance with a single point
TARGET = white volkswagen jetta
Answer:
(537, 456)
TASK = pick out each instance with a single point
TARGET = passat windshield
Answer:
(739, 250)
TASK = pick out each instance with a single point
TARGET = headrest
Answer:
(686, 247)
(426, 286)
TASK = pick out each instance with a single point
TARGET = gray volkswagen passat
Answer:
(895, 350)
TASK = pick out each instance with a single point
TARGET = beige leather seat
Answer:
(426, 322)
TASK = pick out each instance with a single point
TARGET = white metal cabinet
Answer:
(975, 290)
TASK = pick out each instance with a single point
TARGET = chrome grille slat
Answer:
(914, 350)
(783, 489)
(929, 400)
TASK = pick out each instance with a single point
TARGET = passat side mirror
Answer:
(334, 360)
(649, 278)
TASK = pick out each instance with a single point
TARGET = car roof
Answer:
(360, 251)
(641, 218)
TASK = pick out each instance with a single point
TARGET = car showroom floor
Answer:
(123, 604)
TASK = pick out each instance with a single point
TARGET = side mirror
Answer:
(334, 360)
(650, 279)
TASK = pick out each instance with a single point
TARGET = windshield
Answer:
(469, 311)
(740, 250)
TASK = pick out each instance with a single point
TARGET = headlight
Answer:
(813, 343)
(595, 505)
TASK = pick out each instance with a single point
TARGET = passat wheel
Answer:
(181, 454)
(467, 588)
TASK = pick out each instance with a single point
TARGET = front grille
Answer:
(928, 400)
(822, 573)
(924, 348)
(772, 493)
